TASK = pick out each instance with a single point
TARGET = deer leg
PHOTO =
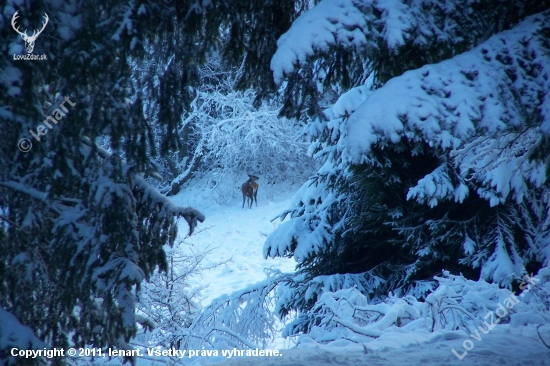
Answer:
(244, 198)
(256, 197)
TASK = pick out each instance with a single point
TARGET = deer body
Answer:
(250, 190)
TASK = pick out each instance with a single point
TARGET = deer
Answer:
(29, 41)
(250, 190)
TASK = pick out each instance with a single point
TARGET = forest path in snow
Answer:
(233, 233)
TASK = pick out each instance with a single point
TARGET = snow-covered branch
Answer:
(243, 318)
(457, 303)
(233, 136)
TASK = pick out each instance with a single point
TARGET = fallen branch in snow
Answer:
(459, 309)
(357, 329)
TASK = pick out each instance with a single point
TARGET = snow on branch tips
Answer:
(326, 24)
(234, 136)
(386, 28)
(484, 107)
(457, 303)
(242, 319)
(156, 201)
(465, 137)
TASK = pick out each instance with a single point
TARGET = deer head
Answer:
(29, 41)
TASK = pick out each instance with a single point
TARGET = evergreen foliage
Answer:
(81, 228)
(434, 153)
(337, 44)
(440, 167)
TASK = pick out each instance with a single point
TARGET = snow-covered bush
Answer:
(170, 299)
(298, 292)
(245, 318)
(457, 303)
(347, 314)
(242, 319)
(536, 293)
(235, 137)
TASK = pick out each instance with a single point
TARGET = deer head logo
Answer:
(29, 41)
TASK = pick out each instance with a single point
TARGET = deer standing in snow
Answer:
(250, 190)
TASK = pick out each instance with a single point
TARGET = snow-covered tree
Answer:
(232, 136)
(337, 44)
(81, 227)
(437, 155)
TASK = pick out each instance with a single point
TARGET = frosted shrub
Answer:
(241, 320)
(347, 314)
(169, 300)
(237, 137)
(457, 303)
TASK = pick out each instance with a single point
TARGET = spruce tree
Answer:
(434, 145)
(81, 226)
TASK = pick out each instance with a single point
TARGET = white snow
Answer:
(15, 335)
(468, 108)
(236, 233)
(328, 23)
(239, 234)
(500, 347)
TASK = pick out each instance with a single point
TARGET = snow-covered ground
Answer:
(500, 347)
(234, 234)
(238, 234)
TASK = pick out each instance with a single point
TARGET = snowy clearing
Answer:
(236, 234)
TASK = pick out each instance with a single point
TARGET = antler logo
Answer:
(29, 41)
